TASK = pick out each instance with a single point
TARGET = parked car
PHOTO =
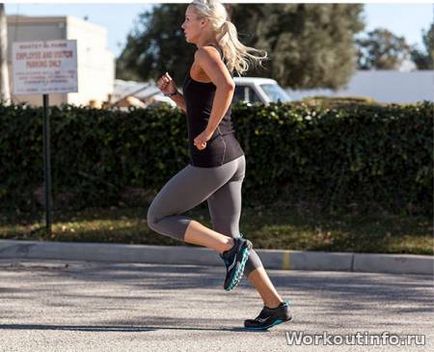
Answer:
(250, 90)
(247, 89)
(258, 90)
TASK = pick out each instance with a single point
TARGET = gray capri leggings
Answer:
(220, 186)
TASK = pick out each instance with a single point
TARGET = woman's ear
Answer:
(204, 22)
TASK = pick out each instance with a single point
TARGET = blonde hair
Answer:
(237, 56)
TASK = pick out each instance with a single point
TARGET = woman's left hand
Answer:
(201, 139)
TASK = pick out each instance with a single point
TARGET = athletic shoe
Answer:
(269, 317)
(235, 260)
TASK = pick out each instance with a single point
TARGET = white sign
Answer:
(45, 67)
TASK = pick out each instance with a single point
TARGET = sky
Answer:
(405, 20)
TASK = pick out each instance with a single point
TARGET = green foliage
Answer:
(309, 45)
(327, 101)
(364, 155)
(156, 45)
(382, 50)
(424, 60)
(354, 155)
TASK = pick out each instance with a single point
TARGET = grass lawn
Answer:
(278, 227)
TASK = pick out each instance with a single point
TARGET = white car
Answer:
(258, 90)
(250, 90)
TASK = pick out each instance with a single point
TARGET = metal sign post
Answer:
(47, 165)
(41, 68)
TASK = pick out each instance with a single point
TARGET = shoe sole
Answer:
(239, 272)
(277, 322)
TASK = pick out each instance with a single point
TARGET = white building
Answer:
(96, 64)
(384, 86)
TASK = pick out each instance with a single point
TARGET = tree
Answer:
(424, 60)
(309, 45)
(382, 50)
(4, 75)
(157, 45)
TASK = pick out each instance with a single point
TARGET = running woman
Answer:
(217, 164)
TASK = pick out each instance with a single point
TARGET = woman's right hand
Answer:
(166, 84)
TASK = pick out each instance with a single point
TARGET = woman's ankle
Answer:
(229, 245)
(273, 304)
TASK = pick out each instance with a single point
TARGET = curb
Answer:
(272, 259)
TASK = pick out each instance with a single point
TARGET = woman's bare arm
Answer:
(167, 86)
(210, 62)
(180, 102)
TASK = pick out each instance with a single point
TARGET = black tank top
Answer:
(223, 146)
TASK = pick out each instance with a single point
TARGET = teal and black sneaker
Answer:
(269, 317)
(235, 260)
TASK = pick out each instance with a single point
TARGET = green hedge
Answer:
(360, 155)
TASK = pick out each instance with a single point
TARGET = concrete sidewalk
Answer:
(272, 259)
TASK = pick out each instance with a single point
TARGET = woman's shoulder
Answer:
(209, 51)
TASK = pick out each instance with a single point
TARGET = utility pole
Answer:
(5, 95)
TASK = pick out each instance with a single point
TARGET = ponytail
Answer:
(237, 56)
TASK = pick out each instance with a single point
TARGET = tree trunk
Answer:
(5, 95)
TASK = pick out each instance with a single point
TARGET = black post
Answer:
(47, 165)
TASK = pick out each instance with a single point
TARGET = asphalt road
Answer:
(81, 306)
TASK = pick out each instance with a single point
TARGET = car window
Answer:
(275, 93)
(238, 94)
(245, 93)
(252, 96)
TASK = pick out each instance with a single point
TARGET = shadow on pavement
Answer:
(111, 328)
